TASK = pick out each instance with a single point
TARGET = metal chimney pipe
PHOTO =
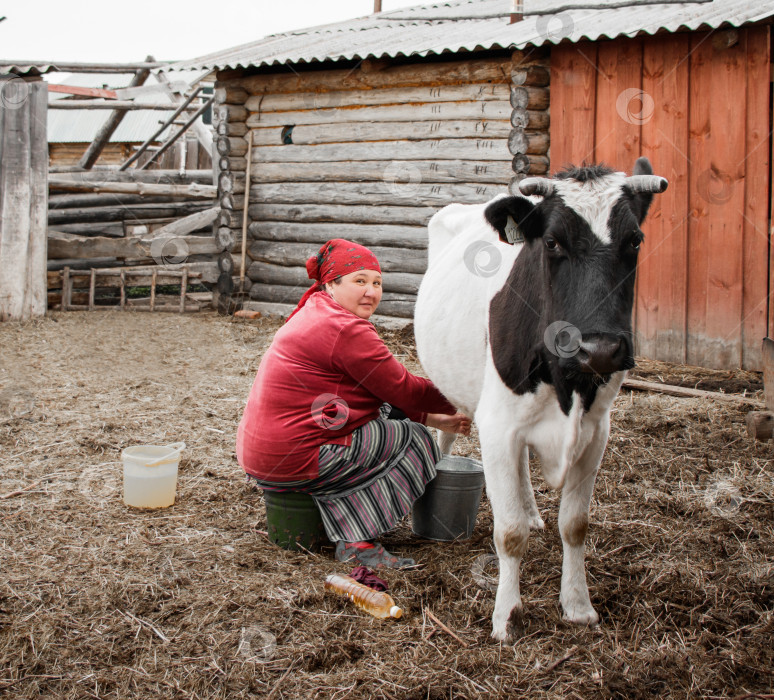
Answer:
(517, 11)
(377, 6)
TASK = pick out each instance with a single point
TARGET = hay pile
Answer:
(97, 600)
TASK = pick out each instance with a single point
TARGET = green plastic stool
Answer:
(293, 521)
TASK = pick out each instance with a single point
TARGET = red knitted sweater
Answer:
(326, 373)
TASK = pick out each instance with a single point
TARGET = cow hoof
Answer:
(536, 523)
(587, 617)
(501, 636)
(512, 629)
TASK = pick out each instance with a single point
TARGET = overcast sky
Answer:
(116, 31)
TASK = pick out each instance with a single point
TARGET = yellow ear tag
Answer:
(512, 232)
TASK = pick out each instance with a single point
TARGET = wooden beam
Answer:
(68, 246)
(284, 102)
(127, 212)
(188, 224)
(193, 191)
(476, 150)
(687, 393)
(412, 75)
(123, 106)
(83, 91)
(492, 110)
(112, 174)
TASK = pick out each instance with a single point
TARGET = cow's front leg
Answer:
(573, 526)
(511, 527)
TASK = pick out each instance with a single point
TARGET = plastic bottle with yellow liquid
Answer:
(377, 603)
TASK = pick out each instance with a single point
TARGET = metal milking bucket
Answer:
(447, 510)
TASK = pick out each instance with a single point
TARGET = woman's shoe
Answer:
(370, 554)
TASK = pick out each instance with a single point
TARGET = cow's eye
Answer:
(551, 243)
(635, 241)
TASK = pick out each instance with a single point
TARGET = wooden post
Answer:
(111, 124)
(244, 211)
(23, 198)
(123, 289)
(183, 290)
(92, 285)
(67, 289)
(153, 290)
(760, 424)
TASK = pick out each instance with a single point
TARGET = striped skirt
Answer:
(366, 488)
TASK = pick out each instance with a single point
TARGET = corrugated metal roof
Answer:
(27, 67)
(82, 125)
(470, 25)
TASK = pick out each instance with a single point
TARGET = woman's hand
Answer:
(458, 423)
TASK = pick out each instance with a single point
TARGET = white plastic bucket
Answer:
(150, 474)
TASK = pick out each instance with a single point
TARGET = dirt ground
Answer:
(99, 600)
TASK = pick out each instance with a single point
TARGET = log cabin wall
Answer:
(370, 153)
(190, 154)
(62, 154)
(703, 283)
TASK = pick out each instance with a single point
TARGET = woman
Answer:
(320, 418)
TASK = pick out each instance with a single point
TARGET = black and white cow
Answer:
(523, 320)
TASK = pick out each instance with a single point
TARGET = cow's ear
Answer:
(515, 219)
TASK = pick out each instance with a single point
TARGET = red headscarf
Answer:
(336, 258)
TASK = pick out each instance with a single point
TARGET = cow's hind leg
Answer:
(573, 526)
(511, 526)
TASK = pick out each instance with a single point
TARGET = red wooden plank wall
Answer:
(700, 111)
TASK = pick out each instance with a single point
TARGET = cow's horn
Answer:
(537, 185)
(647, 183)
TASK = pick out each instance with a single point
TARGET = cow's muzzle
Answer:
(604, 354)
